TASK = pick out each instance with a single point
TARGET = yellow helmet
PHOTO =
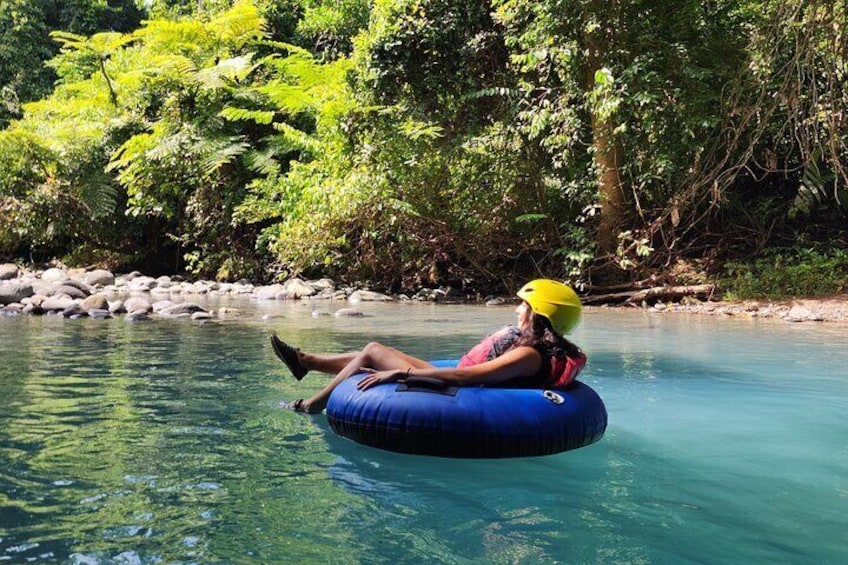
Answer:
(555, 301)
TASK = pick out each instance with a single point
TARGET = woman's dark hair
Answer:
(542, 333)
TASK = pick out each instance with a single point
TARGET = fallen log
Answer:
(653, 295)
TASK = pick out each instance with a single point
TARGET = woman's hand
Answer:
(379, 377)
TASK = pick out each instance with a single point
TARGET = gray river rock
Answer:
(8, 271)
(58, 303)
(137, 304)
(71, 290)
(95, 302)
(349, 313)
(369, 296)
(54, 275)
(99, 277)
(11, 292)
(183, 308)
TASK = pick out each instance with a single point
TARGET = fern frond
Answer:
(263, 162)
(288, 47)
(129, 151)
(291, 99)
(297, 139)
(68, 40)
(222, 152)
(239, 24)
(109, 41)
(242, 114)
(494, 91)
(228, 72)
(414, 129)
(101, 198)
(179, 63)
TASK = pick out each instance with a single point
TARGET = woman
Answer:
(532, 355)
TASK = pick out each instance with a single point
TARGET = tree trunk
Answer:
(607, 150)
(653, 295)
(613, 204)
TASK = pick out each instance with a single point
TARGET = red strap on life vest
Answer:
(565, 369)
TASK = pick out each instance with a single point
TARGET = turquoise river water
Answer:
(163, 442)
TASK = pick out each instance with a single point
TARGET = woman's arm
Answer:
(518, 362)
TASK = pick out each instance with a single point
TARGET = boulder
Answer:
(58, 303)
(117, 307)
(349, 313)
(141, 284)
(11, 310)
(95, 302)
(11, 291)
(188, 308)
(137, 304)
(287, 295)
(298, 287)
(100, 277)
(160, 305)
(199, 287)
(70, 290)
(78, 285)
(74, 311)
(8, 271)
(268, 292)
(322, 284)
(44, 288)
(369, 296)
(54, 275)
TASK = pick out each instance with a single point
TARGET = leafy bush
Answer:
(786, 273)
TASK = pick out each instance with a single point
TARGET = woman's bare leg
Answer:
(373, 356)
(330, 364)
(300, 363)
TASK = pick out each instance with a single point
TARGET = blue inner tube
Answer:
(427, 417)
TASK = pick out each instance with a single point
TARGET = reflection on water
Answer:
(162, 442)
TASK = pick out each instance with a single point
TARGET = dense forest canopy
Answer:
(414, 142)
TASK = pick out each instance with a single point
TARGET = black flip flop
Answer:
(295, 405)
(288, 355)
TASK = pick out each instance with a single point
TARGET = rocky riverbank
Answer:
(77, 293)
(832, 309)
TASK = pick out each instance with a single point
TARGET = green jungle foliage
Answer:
(416, 142)
(25, 42)
(788, 272)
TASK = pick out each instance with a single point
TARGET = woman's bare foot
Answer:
(299, 405)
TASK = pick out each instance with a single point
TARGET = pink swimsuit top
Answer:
(557, 372)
